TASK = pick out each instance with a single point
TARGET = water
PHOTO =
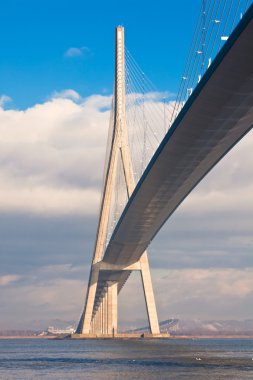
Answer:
(136, 359)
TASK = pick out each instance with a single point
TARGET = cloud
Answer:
(30, 242)
(189, 293)
(46, 153)
(229, 186)
(192, 293)
(67, 94)
(4, 99)
(47, 292)
(51, 167)
(8, 279)
(218, 288)
(47, 200)
(77, 52)
(52, 300)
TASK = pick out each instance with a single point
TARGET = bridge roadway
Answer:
(216, 116)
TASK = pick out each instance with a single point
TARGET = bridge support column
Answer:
(84, 326)
(112, 307)
(101, 316)
(106, 312)
(99, 320)
(96, 323)
(149, 294)
(104, 316)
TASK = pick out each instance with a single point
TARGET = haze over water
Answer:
(135, 359)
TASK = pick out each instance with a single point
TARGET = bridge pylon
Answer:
(100, 316)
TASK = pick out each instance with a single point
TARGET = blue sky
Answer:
(57, 67)
(37, 34)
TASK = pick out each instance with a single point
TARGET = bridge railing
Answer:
(215, 23)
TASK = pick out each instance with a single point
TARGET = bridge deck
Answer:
(216, 116)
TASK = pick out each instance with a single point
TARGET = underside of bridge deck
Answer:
(217, 115)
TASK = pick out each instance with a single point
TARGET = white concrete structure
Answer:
(213, 120)
(104, 318)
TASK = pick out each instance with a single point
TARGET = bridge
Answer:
(179, 143)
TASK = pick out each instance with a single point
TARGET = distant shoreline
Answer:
(172, 337)
(27, 337)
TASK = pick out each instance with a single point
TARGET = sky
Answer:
(35, 60)
(56, 79)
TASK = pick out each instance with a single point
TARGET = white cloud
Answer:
(48, 200)
(217, 287)
(67, 94)
(193, 293)
(77, 52)
(4, 99)
(51, 163)
(8, 279)
(45, 293)
(229, 186)
(47, 152)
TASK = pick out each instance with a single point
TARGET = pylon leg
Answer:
(112, 307)
(91, 292)
(106, 312)
(103, 316)
(149, 294)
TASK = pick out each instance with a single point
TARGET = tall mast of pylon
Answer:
(120, 111)
(119, 129)
(120, 79)
(102, 318)
(119, 126)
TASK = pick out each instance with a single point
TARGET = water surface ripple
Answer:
(129, 359)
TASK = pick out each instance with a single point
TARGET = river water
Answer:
(126, 359)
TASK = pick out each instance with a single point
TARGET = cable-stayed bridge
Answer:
(159, 149)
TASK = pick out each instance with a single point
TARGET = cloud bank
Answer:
(47, 152)
(51, 164)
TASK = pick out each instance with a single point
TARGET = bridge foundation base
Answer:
(121, 336)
